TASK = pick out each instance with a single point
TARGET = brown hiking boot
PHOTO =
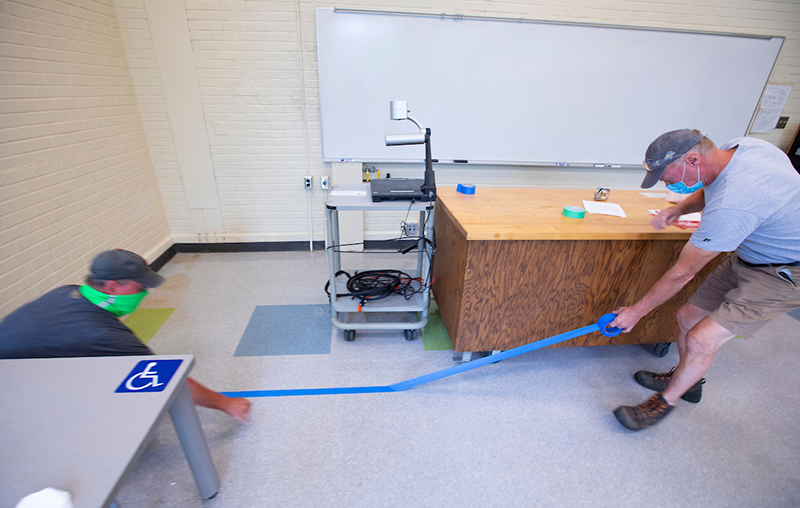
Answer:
(644, 415)
(659, 383)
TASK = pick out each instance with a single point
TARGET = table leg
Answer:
(193, 442)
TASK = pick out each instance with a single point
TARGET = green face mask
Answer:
(119, 305)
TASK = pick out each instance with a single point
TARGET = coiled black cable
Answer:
(373, 285)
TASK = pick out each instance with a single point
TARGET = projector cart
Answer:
(356, 197)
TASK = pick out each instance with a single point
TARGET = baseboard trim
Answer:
(319, 245)
(164, 258)
(247, 247)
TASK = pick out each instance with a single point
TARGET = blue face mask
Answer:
(682, 188)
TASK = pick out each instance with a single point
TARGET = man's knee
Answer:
(699, 343)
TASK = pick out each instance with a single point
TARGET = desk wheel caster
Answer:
(349, 335)
(661, 349)
(410, 334)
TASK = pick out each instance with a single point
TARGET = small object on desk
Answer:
(601, 194)
(604, 208)
(573, 212)
(466, 188)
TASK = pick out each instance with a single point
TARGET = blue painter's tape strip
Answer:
(601, 326)
(494, 358)
(309, 391)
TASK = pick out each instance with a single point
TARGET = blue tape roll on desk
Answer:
(465, 188)
(601, 326)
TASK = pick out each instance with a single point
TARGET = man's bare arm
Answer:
(237, 407)
(690, 261)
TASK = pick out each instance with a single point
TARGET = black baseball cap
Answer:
(121, 264)
(666, 149)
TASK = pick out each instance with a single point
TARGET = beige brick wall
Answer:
(76, 175)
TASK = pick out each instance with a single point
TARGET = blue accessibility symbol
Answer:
(149, 376)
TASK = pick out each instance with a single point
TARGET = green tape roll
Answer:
(573, 212)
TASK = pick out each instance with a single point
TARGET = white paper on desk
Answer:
(655, 194)
(604, 208)
(688, 216)
(348, 193)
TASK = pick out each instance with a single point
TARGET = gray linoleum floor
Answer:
(536, 430)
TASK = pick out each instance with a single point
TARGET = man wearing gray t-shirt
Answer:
(749, 194)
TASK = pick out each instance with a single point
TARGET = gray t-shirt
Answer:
(753, 206)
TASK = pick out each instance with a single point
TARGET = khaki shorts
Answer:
(743, 299)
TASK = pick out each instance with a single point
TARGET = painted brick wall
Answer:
(261, 106)
(76, 175)
(247, 59)
(144, 74)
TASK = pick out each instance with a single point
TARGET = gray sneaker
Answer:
(659, 382)
(650, 412)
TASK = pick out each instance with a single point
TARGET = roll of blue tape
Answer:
(606, 320)
(465, 188)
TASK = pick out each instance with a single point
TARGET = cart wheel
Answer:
(661, 349)
(410, 334)
(349, 335)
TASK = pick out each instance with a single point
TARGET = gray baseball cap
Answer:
(666, 149)
(121, 264)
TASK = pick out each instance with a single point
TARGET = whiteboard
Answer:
(500, 92)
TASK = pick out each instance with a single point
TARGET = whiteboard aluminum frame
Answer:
(551, 22)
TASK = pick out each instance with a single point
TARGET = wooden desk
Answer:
(510, 269)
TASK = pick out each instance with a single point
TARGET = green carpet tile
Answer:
(146, 322)
(434, 334)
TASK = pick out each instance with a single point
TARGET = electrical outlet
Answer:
(323, 182)
(307, 181)
(412, 228)
(782, 121)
